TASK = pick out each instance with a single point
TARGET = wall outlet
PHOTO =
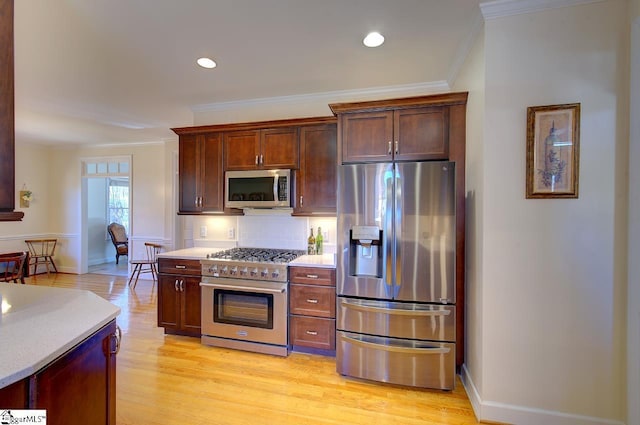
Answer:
(203, 231)
(231, 233)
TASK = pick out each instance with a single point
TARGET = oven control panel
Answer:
(274, 272)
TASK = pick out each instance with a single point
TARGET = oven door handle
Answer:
(244, 288)
(392, 311)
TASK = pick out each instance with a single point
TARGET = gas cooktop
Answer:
(257, 255)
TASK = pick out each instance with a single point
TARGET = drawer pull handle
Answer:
(117, 340)
(312, 276)
(181, 267)
(311, 333)
(312, 301)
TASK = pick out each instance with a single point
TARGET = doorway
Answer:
(106, 198)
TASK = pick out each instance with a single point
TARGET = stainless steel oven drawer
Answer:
(398, 320)
(413, 363)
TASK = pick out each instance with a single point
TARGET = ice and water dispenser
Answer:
(365, 253)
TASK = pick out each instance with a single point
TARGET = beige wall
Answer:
(633, 308)
(472, 79)
(552, 292)
(54, 176)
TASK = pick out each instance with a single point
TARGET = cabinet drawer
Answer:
(313, 332)
(179, 266)
(312, 276)
(309, 300)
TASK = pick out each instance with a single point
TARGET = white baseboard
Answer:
(486, 410)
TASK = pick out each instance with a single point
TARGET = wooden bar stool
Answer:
(41, 251)
(147, 265)
(12, 267)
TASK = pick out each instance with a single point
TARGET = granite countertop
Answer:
(323, 261)
(40, 323)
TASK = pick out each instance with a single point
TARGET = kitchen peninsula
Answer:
(59, 347)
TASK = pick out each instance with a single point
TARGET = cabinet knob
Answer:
(261, 159)
(396, 147)
(256, 159)
(312, 276)
(312, 301)
(311, 333)
(389, 150)
(301, 200)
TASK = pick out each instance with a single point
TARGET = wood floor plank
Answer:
(167, 379)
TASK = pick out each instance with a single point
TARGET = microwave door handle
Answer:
(275, 187)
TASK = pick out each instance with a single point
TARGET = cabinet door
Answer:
(190, 316)
(212, 173)
(367, 137)
(241, 150)
(79, 387)
(421, 134)
(279, 148)
(316, 179)
(189, 173)
(168, 303)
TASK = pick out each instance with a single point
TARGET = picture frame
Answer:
(553, 151)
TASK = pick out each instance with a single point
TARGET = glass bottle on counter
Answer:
(319, 241)
(311, 244)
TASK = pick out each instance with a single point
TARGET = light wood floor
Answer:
(168, 380)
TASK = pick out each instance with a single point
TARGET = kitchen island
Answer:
(58, 353)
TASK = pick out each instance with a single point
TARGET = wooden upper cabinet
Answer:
(261, 149)
(367, 136)
(406, 129)
(201, 173)
(316, 179)
(7, 129)
(421, 134)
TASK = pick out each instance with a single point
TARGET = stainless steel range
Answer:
(244, 299)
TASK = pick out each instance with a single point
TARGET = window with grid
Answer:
(118, 201)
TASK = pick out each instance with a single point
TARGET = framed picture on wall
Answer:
(553, 148)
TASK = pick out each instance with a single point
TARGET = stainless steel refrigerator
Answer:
(396, 273)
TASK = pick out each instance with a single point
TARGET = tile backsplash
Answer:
(260, 231)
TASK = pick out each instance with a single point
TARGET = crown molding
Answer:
(502, 8)
(330, 97)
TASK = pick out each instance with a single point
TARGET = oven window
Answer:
(243, 308)
(251, 189)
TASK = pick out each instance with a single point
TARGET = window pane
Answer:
(102, 168)
(91, 168)
(124, 167)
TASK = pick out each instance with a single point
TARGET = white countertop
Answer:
(323, 261)
(40, 323)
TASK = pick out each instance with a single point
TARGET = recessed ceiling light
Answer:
(373, 39)
(206, 63)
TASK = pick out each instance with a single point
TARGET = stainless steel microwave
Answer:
(257, 189)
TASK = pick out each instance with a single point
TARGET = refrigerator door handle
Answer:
(397, 349)
(397, 232)
(392, 311)
(389, 235)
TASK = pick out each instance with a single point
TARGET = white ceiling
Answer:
(123, 71)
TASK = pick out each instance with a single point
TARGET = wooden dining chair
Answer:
(12, 266)
(146, 265)
(41, 251)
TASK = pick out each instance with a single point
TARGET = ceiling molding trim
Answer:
(107, 145)
(502, 8)
(331, 97)
(477, 26)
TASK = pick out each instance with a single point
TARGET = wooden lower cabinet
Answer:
(312, 309)
(77, 388)
(179, 304)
